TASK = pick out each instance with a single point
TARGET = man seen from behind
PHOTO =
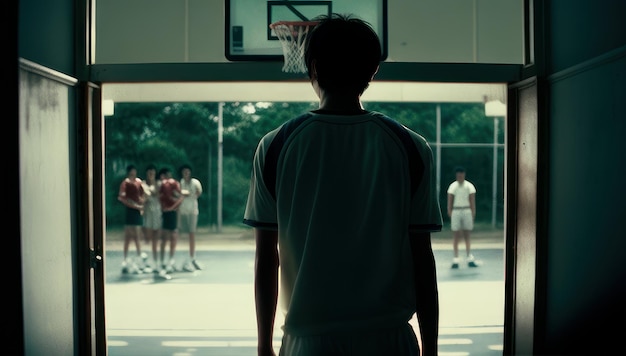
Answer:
(343, 201)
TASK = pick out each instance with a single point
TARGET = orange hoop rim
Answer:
(294, 23)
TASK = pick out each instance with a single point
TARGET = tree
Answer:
(170, 134)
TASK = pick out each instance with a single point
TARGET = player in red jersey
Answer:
(171, 197)
(131, 195)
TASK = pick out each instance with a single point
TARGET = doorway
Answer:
(211, 311)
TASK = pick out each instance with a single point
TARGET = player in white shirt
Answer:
(188, 211)
(462, 212)
(343, 202)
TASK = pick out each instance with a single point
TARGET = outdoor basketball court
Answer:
(221, 315)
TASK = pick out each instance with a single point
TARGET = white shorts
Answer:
(187, 223)
(394, 341)
(461, 219)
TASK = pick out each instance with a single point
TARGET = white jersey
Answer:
(343, 192)
(461, 193)
(190, 203)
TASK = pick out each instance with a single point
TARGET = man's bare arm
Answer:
(265, 288)
(129, 202)
(427, 294)
(472, 199)
(450, 202)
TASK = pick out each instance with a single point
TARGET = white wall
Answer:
(452, 31)
(46, 224)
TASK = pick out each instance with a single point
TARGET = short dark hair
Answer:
(459, 169)
(130, 167)
(164, 170)
(345, 52)
(184, 166)
(151, 167)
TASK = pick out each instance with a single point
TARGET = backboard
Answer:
(249, 37)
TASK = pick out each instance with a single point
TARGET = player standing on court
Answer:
(462, 212)
(131, 195)
(171, 197)
(188, 214)
(343, 202)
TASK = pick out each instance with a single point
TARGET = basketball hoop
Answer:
(292, 35)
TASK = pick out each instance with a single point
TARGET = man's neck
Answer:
(339, 103)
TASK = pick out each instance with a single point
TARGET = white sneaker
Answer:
(196, 264)
(455, 263)
(188, 267)
(471, 261)
(134, 269)
(170, 267)
(163, 274)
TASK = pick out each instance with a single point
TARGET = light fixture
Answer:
(495, 108)
(108, 107)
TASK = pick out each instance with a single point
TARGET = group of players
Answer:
(159, 208)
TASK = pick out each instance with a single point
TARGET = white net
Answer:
(292, 37)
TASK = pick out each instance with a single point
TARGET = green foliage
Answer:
(420, 117)
(170, 134)
(235, 189)
(465, 123)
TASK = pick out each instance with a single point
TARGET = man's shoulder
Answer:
(416, 136)
(288, 126)
(168, 183)
(270, 135)
(279, 135)
(195, 182)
